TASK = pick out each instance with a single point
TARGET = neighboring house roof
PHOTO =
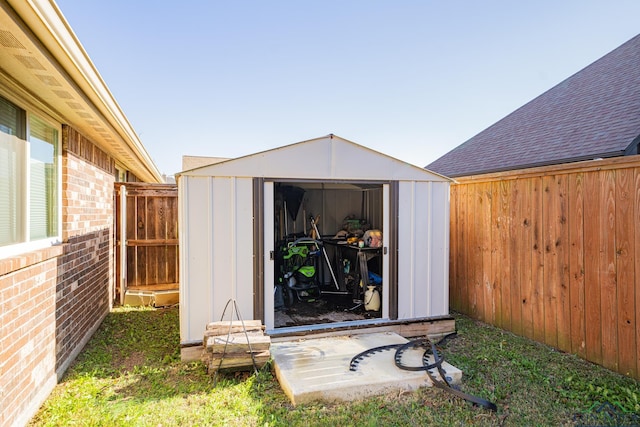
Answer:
(326, 158)
(593, 114)
(41, 57)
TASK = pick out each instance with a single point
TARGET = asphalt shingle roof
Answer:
(594, 113)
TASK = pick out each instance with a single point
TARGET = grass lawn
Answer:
(130, 374)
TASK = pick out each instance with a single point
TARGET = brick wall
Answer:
(53, 300)
(27, 333)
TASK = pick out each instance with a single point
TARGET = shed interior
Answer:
(328, 252)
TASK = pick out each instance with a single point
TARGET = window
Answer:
(29, 179)
(121, 174)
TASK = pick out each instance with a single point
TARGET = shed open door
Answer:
(386, 227)
(337, 300)
(269, 259)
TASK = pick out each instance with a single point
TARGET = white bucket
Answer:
(371, 299)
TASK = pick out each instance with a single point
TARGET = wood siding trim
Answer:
(74, 142)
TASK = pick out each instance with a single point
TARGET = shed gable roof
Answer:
(329, 157)
(594, 113)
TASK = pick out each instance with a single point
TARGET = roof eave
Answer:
(46, 21)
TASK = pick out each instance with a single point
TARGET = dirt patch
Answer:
(134, 359)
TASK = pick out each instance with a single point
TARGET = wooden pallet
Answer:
(235, 345)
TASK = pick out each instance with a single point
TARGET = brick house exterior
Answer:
(54, 297)
(52, 300)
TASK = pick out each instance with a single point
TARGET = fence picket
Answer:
(553, 253)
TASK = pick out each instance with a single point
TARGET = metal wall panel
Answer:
(406, 250)
(218, 252)
(439, 260)
(232, 247)
(422, 250)
(195, 239)
(243, 237)
(334, 205)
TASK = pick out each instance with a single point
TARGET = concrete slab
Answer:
(318, 369)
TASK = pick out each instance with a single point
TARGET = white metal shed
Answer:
(230, 223)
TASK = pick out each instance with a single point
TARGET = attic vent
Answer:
(49, 80)
(8, 40)
(74, 105)
(30, 62)
(63, 94)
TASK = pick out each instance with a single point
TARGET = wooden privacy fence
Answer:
(553, 254)
(151, 222)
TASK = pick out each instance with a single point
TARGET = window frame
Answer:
(27, 245)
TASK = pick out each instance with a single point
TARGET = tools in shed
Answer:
(292, 199)
(299, 270)
(315, 234)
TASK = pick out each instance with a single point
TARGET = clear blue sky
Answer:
(411, 79)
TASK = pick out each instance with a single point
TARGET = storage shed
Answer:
(356, 222)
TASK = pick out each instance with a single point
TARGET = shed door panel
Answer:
(269, 264)
(422, 250)
(386, 242)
